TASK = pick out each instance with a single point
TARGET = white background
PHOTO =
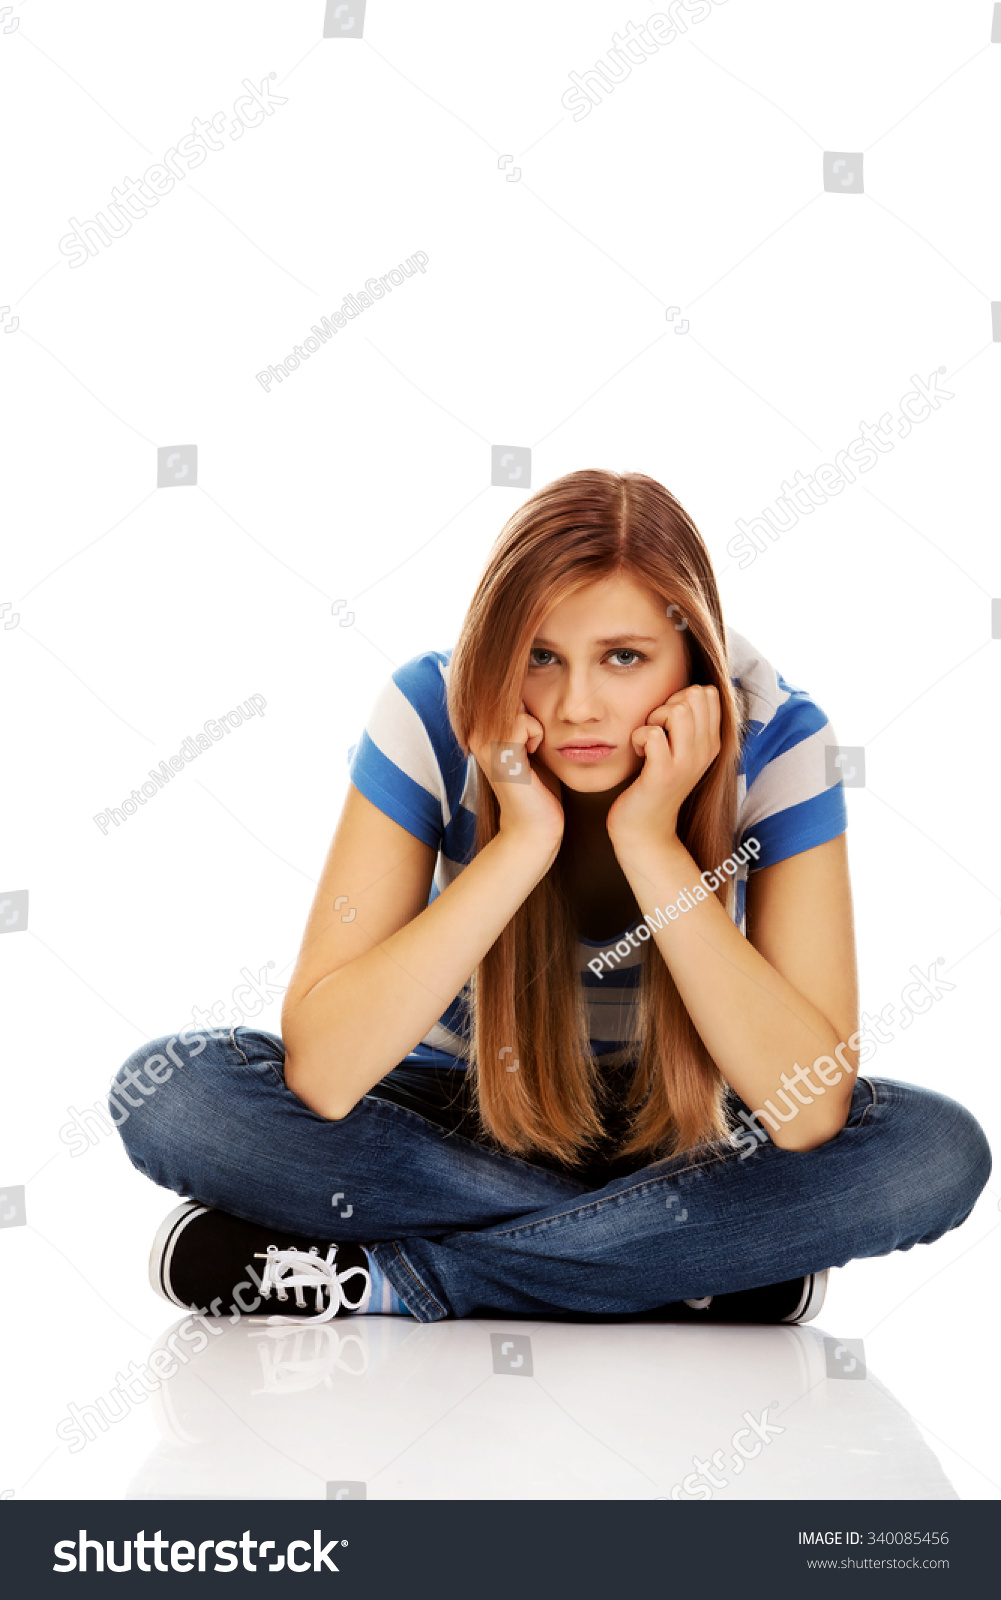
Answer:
(543, 319)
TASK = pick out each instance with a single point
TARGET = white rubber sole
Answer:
(163, 1249)
(812, 1298)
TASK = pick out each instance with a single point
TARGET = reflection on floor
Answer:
(386, 1408)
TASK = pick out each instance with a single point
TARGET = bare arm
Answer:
(781, 1005)
(366, 990)
(769, 1008)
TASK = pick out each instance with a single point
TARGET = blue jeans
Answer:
(461, 1228)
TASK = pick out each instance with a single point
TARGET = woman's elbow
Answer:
(308, 1086)
(803, 1139)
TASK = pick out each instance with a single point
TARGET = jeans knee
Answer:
(965, 1156)
(136, 1103)
(951, 1162)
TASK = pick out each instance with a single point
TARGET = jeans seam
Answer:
(503, 1156)
(266, 1062)
(423, 1287)
(724, 1155)
(873, 1101)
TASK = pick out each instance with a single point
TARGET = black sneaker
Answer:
(206, 1261)
(797, 1300)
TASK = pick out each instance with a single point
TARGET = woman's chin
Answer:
(598, 779)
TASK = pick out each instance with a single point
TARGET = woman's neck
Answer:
(600, 897)
(585, 812)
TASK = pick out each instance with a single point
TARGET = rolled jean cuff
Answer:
(399, 1269)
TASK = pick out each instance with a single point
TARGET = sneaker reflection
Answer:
(403, 1410)
(300, 1358)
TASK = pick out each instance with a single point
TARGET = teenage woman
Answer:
(573, 1031)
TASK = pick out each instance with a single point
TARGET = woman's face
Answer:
(599, 664)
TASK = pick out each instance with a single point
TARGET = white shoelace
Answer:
(291, 1269)
(700, 1304)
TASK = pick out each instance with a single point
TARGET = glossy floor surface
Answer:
(889, 1394)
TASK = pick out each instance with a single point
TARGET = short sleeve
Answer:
(397, 762)
(788, 803)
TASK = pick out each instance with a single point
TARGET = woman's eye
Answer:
(537, 651)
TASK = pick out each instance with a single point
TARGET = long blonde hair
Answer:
(526, 993)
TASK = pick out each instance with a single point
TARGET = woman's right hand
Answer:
(529, 811)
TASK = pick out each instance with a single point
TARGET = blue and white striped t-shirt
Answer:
(409, 763)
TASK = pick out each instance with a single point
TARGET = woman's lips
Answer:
(586, 754)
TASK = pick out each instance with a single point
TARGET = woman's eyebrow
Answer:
(620, 638)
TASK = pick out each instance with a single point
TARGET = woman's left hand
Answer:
(679, 742)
